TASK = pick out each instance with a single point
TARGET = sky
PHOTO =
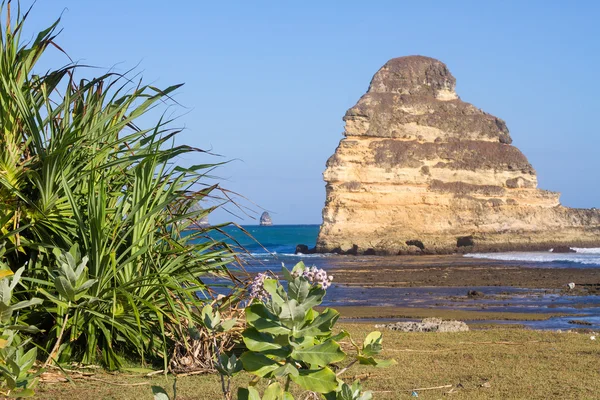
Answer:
(267, 83)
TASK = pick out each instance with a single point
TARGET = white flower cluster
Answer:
(317, 276)
(257, 288)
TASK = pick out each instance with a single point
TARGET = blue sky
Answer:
(267, 83)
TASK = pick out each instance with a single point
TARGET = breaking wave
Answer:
(582, 256)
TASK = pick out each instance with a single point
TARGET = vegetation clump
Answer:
(97, 210)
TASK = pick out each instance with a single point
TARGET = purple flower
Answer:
(317, 276)
(257, 288)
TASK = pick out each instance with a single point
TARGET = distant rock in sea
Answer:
(203, 223)
(265, 219)
(420, 171)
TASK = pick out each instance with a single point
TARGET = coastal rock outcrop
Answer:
(265, 219)
(421, 169)
(427, 325)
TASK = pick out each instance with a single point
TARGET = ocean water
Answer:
(268, 247)
(582, 258)
(273, 240)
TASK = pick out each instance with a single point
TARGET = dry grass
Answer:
(350, 312)
(492, 364)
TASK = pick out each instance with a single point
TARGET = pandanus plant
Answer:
(98, 209)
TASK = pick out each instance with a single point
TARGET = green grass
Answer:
(517, 364)
(350, 312)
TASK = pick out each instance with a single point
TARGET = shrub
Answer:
(98, 209)
(16, 355)
(287, 340)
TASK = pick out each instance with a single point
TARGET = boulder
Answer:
(304, 249)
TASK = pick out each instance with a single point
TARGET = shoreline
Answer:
(459, 271)
(469, 289)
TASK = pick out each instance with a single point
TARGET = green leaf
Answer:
(208, 317)
(323, 354)
(159, 393)
(299, 267)
(293, 311)
(321, 325)
(278, 295)
(273, 392)
(63, 286)
(258, 364)
(23, 393)
(27, 303)
(375, 362)
(314, 298)
(227, 324)
(345, 393)
(249, 393)
(263, 320)
(372, 344)
(341, 335)
(258, 341)
(285, 370)
(320, 380)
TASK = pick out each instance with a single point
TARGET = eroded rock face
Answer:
(419, 164)
(265, 219)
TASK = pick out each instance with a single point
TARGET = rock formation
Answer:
(427, 325)
(265, 219)
(420, 170)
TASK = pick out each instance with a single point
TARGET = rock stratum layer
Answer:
(420, 170)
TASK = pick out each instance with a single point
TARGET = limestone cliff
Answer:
(421, 169)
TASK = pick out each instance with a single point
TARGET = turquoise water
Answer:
(276, 239)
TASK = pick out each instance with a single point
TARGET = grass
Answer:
(351, 312)
(514, 363)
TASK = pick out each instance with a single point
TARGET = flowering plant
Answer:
(289, 341)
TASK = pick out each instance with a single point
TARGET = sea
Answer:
(264, 248)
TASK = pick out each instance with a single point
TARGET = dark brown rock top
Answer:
(413, 75)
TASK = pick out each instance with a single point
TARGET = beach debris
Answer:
(265, 219)
(571, 285)
(593, 337)
(427, 325)
(486, 385)
(414, 394)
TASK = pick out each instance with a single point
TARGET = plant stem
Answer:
(287, 383)
(224, 389)
(58, 339)
(346, 368)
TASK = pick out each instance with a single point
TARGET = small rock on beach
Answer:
(427, 325)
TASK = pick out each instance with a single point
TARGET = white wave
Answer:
(275, 254)
(592, 250)
(587, 258)
(318, 255)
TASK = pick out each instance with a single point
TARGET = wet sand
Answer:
(456, 270)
